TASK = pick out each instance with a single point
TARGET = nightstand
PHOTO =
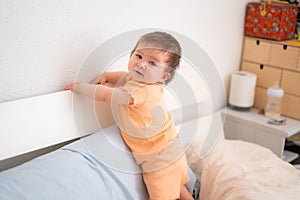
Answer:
(248, 125)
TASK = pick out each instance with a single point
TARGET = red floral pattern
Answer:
(272, 21)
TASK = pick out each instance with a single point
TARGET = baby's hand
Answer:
(102, 79)
(70, 86)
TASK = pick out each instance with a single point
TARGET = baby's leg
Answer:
(185, 194)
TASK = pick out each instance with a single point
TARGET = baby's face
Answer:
(148, 65)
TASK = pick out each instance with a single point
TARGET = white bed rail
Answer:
(37, 122)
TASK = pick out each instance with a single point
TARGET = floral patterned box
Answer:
(275, 21)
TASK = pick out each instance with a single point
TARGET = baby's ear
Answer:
(166, 76)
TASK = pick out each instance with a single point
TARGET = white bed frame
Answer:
(38, 122)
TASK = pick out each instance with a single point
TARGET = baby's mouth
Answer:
(139, 73)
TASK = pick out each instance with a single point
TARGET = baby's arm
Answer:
(109, 77)
(101, 92)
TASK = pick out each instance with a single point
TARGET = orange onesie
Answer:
(148, 129)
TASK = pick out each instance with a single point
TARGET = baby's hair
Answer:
(166, 43)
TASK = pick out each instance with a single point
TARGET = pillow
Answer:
(66, 174)
(99, 166)
(76, 172)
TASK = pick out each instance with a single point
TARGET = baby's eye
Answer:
(138, 56)
(152, 63)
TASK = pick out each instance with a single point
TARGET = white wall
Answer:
(43, 43)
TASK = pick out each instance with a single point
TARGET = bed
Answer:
(99, 165)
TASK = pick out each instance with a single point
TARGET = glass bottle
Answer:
(273, 107)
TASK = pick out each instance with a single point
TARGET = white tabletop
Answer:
(252, 116)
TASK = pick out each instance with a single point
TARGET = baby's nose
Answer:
(143, 65)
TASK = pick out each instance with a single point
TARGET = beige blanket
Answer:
(245, 171)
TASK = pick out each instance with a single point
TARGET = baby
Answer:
(146, 125)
